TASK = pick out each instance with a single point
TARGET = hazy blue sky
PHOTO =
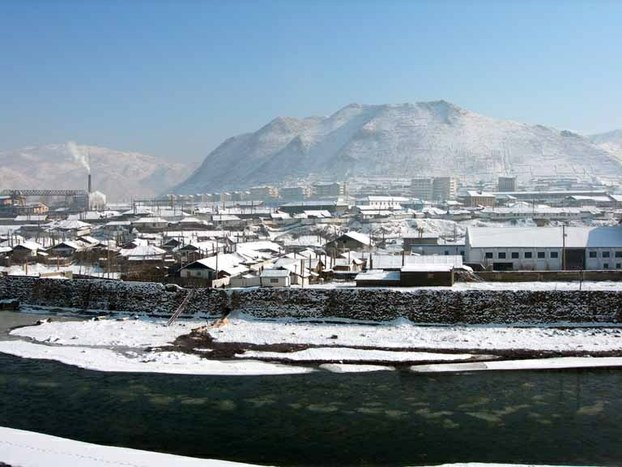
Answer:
(176, 78)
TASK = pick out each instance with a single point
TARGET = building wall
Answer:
(506, 184)
(421, 188)
(595, 258)
(275, 281)
(444, 188)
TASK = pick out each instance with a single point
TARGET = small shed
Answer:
(275, 278)
(427, 274)
(378, 278)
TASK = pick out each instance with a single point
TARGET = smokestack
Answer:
(89, 183)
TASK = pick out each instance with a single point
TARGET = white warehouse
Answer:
(545, 248)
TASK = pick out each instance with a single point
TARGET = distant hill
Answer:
(610, 141)
(120, 175)
(405, 140)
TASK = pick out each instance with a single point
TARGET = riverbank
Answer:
(245, 345)
(465, 303)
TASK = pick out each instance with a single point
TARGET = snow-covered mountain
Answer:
(120, 175)
(610, 141)
(405, 140)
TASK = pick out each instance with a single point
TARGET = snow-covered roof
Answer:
(475, 193)
(428, 267)
(224, 218)
(150, 220)
(70, 244)
(89, 239)
(359, 237)
(31, 218)
(93, 215)
(231, 263)
(378, 275)
(142, 251)
(280, 215)
(30, 245)
(275, 273)
(545, 237)
(260, 245)
(206, 246)
(191, 220)
(73, 224)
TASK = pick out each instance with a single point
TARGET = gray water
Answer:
(389, 418)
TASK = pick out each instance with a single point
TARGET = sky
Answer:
(176, 78)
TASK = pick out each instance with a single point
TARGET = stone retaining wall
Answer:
(418, 305)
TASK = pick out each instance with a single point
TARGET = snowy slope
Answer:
(610, 141)
(429, 138)
(120, 175)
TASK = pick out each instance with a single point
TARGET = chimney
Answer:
(89, 183)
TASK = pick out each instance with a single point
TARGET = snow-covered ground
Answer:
(403, 334)
(29, 449)
(262, 346)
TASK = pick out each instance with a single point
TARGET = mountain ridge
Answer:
(121, 175)
(402, 140)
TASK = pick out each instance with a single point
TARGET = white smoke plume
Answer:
(80, 156)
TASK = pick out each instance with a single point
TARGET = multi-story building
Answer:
(434, 188)
(506, 184)
(444, 188)
(329, 190)
(479, 198)
(294, 193)
(421, 187)
(264, 192)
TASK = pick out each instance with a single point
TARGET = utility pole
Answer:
(563, 247)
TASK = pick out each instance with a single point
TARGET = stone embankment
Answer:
(418, 305)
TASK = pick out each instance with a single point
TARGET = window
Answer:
(541, 255)
(605, 265)
(528, 255)
(515, 255)
(554, 254)
(618, 265)
(274, 280)
(618, 254)
(488, 255)
(501, 255)
(606, 254)
(592, 254)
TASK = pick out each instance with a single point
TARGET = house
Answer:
(65, 249)
(245, 280)
(427, 274)
(349, 241)
(150, 224)
(410, 271)
(26, 250)
(143, 252)
(545, 248)
(275, 278)
(220, 267)
(197, 250)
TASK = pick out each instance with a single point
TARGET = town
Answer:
(426, 231)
